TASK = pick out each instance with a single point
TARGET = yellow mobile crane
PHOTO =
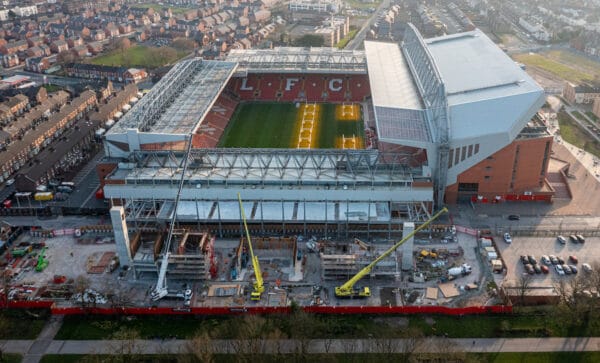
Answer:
(347, 290)
(259, 286)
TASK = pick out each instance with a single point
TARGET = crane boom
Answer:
(347, 289)
(259, 286)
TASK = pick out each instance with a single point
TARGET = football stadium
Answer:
(326, 142)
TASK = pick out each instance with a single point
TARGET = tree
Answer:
(309, 40)
(124, 344)
(123, 44)
(81, 285)
(66, 57)
(201, 347)
(522, 287)
(184, 44)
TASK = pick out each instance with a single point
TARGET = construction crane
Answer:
(347, 290)
(258, 284)
(161, 290)
(42, 262)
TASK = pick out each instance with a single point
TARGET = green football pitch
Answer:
(276, 125)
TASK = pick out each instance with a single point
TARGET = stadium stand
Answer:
(215, 122)
(301, 88)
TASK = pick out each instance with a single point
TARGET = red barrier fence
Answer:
(382, 310)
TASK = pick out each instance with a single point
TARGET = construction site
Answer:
(80, 268)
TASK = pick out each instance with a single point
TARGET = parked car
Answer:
(566, 269)
(562, 240)
(573, 259)
(554, 260)
(587, 267)
(546, 260)
(532, 259)
(573, 268)
(573, 238)
(514, 217)
(559, 270)
(507, 238)
(537, 269)
(545, 269)
(560, 260)
(529, 269)
(10, 182)
(580, 238)
(524, 259)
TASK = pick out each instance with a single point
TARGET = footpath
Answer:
(32, 350)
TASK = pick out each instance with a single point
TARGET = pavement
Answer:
(33, 350)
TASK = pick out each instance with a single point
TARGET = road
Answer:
(570, 110)
(358, 39)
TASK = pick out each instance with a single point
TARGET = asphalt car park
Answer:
(524, 251)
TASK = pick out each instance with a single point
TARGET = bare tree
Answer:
(124, 344)
(522, 286)
(201, 347)
(80, 286)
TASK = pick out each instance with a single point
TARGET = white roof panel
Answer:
(473, 68)
(391, 81)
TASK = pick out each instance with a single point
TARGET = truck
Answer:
(462, 270)
(43, 196)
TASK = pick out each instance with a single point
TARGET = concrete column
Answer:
(407, 247)
(117, 216)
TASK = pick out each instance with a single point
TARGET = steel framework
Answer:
(296, 59)
(433, 92)
(275, 166)
(180, 99)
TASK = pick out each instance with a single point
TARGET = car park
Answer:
(507, 238)
(580, 238)
(573, 259)
(573, 268)
(562, 240)
(546, 260)
(559, 270)
(566, 269)
(514, 217)
(587, 267)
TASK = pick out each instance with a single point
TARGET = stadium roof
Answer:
(473, 68)
(296, 59)
(391, 81)
(181, 99)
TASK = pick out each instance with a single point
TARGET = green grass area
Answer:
(22, 324)
(158, 8)
(358, 4)
(558, 69)
(52, 88)
(579, 115)
(575, 60)
(274, 125)
(140, 56)
(591, 115)
(342, 44)
(573, 134)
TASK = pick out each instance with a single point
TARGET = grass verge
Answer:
(158, 8)
(342, 44)
(573, 134)
(22, 324)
